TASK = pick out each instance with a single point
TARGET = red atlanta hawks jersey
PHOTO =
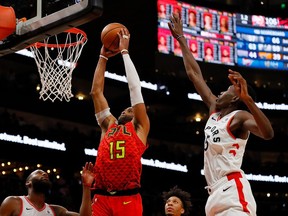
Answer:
(118, 163)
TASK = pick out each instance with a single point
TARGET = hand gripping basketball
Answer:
(109, 36)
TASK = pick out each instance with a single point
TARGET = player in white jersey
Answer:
(33, 204)
(29, 209)
(226, 134)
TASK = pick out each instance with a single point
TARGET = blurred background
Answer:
(175, 155)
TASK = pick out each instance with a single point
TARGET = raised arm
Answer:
(88, 178)
(191, 66)
(259, 124)
(141, 120)
(102, 110)
(87, 181)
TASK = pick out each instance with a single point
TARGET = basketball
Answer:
(109, 37)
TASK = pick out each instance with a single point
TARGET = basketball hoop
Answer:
(56, 61)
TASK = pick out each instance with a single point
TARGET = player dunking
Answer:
(226, 133)
(118, 164)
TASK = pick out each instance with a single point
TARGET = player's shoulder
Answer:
(242, 114)
(13, 201)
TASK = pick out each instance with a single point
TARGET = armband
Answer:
(86, 185)
(179, 36)
(100, 116)
(104, 57)
(124, 50)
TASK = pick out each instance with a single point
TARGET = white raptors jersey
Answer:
(28, 209)
(223, 153)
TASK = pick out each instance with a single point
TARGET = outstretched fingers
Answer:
(175, 25)
(239, 83)
(124, 38)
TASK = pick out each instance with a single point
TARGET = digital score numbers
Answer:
(262, 42)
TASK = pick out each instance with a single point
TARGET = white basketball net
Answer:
(56, 63)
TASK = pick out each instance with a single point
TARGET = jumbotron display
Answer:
(262, 42)
(225, 38)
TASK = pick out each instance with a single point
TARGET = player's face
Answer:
(225, 98)
(174, 206)
(126, 116)
(208, 51)
(193, 47)
(207, 20)
(223, 21)
(39, 182)
(162, 8)
(162, 40)
(192, 17)
(225, 53)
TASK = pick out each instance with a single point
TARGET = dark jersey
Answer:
(118, 163)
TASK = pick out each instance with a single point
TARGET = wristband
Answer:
(104, 57)
(86, 185)
(124, 50)
(179, 36)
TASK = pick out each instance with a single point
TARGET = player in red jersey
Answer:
(123, 141)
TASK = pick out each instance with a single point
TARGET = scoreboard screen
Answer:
(225, 38)
(262, 42)
(209, 33)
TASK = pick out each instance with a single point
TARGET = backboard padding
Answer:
(52, 24)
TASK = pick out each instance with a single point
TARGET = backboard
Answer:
(45, 18)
